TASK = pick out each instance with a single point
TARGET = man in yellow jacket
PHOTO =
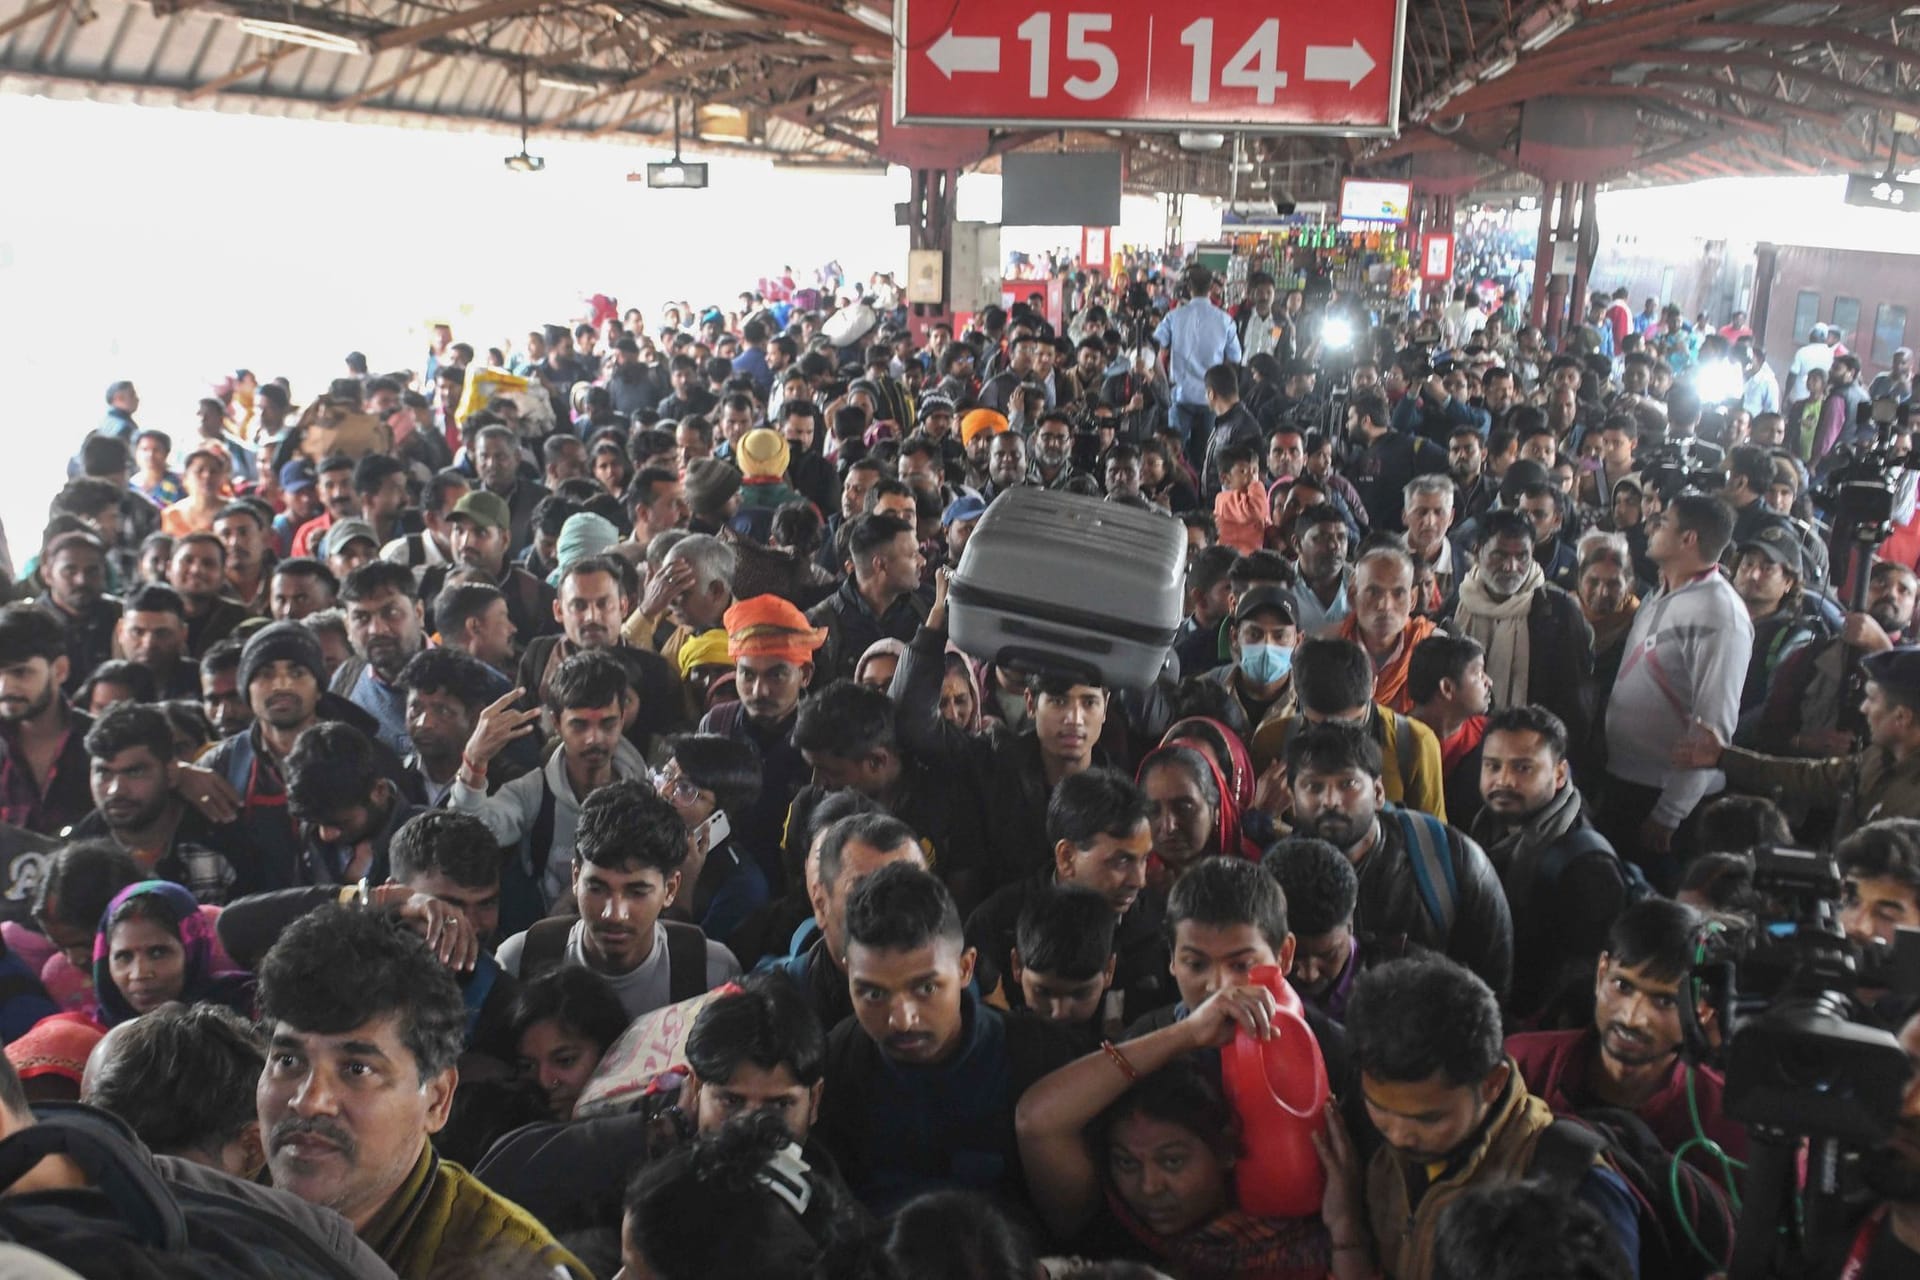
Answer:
(366, 1026)
(1333, 680)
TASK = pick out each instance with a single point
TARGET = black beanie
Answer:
(282, 642)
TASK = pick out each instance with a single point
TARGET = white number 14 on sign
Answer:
(1256, 66)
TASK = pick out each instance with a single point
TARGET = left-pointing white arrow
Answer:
(1348, 64)
(953, 53)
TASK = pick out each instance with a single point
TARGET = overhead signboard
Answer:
(1149, 64)
(1883, 193)
(1367, 200)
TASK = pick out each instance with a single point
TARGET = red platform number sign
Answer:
(1436, 256)
(1238, 64)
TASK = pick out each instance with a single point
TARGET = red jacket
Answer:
(1555, 1063)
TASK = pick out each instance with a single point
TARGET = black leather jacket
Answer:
(1391, 902)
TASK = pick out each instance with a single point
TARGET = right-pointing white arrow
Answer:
(1349, 64)
(953, 53)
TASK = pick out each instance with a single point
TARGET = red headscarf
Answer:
(1216, 739)
(1227, 839)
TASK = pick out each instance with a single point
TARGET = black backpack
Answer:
(1567, 1149)
(1581, 842)
(129, 1224)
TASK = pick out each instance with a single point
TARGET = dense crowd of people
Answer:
(527, 815)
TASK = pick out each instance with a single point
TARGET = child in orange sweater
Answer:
(1240, 510)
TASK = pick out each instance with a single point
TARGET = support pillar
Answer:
(1586, 244)
(1431, 214)
(930, 226)
(1557, 284)
(1542, 258)
(1766, 261)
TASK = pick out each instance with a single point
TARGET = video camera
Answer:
(1673, 469)
(1857, 485)
(1803, 1059)
(1135, 316)
(1800, 1061)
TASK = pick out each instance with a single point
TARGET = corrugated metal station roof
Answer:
(599, 70)
(1714, 87)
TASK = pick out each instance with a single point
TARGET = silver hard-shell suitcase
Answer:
(1058, 584)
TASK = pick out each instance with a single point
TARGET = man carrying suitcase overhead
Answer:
(1011, 776)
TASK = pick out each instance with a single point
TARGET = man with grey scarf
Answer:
(1539, 645)
(1564, 882)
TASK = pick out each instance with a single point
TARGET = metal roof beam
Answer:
(1671, 153)
(1802, 113)
(1836, 85)
(662, 72)
(1550, 70)
(772, 80)
(1682, 102)
(460, 20)
(31, 14)
(831, 24)
(242, 72)
(1779, 35)
(1609, 34)
(386, 86)
(645, 106)
(850, 102)
(823, 104)
(1014, 141)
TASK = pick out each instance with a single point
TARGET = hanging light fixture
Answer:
(302, 34)
(522, 161)
(676, 174)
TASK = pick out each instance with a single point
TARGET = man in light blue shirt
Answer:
(1193, 338)
(752, 360)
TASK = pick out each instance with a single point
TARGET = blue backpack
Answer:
(1429, 851)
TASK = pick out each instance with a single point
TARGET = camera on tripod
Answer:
(1802, 1060)
(1806, 1061)
(1858, 479)
(1673, 469)
(1135, 316)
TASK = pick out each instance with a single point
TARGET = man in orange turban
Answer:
(977, 431)
(769, 627)
(772, 646)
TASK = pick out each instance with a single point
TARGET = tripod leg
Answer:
(1767, 1211)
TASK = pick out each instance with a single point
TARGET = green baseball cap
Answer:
(485, 508)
